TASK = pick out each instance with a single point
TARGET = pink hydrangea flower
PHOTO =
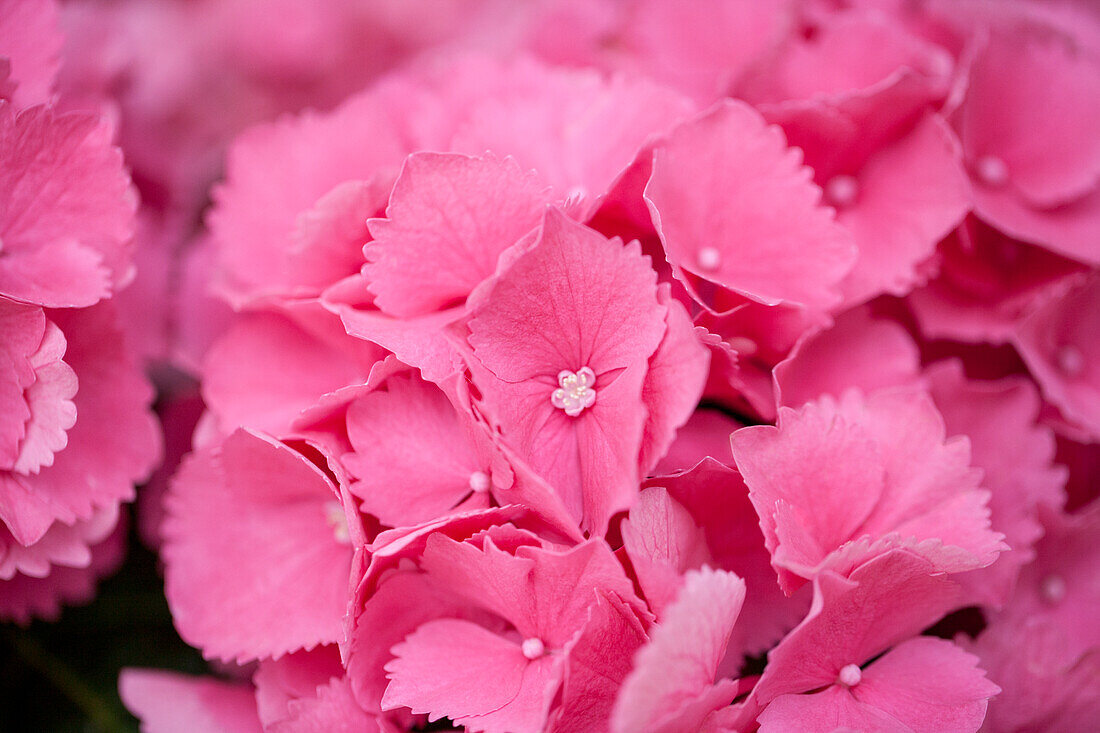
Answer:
(838, 480)
(78, 430)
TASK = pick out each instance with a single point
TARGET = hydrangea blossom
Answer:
(608, 366)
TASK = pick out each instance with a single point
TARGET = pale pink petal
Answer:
(253, 519)
(679, 663)
(167, 702)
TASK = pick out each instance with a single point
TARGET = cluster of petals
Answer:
(609, 366)
(76, 431)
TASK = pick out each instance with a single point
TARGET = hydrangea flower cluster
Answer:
(621, 366)
(76, 430)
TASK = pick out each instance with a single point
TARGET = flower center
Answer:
(533, 648)
(709, 258)
(479, 482)
(841, 191)
(991, 170)
(1070, 361)
(575, 391)
(1053, 589)
(334, 515)
(850, 675)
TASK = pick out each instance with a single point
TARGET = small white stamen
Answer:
(575, 391)
(1053, 589)
(991, 170)
(742, 345)
(709, 258)
(841, 191)
(533, 648)
(334, 515)
(1070, 361)
(479, 482)
(850, 675)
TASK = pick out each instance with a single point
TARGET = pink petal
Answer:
(1057, 342)
(266, 370)
(173, 703)
(413, 459)
(674, 382)
(900, 477)
(114, 444)
(725, 187)
(888, 599)
(1022, 82)
(679, 663)
(663, 542)
(70, 208)
(26, 597)
(31, 41)
(704, 47)
(449, 219)
(1016, 456)
(527, 588)
(575, 299)
(987, 283)
(912, 193)
(578, 130)
(930, 685)
(281, 682)
(456, 669)
(829, 711)
(718, 502)
(280, 169)
(281, 576)
(706, 434)
(859, 350)
(596, 663)
(327, 243)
